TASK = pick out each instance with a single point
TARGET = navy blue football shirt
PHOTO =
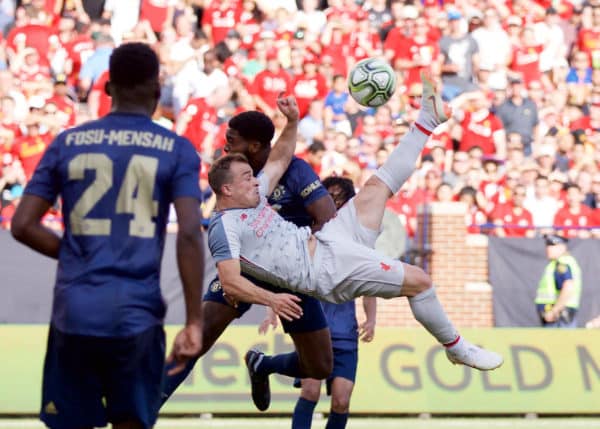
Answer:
(117, 177)
(298, 188)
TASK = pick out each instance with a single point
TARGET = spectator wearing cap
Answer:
(512, 218)
(575, 218)
(477, 125)
(519, 114)
(559, 290)
(461, 58)
(495, 60)
(269, 83)
(62, 99)
(309, 85)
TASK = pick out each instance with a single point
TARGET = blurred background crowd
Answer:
(522, 149)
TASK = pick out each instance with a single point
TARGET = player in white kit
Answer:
(336, 264)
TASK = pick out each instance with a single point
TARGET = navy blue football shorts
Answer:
(90, 381)
(345, 364)
(313, 318)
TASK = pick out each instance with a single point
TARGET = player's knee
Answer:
(415, 281)
(311, 391)
(340, 404)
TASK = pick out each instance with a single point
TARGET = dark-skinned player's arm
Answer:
(190, 261)
(283, 150)
(321, 211)
(27, 227)
(243, 290)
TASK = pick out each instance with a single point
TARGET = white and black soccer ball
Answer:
(372, 82)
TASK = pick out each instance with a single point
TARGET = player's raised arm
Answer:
(240, 289)
(283, 150)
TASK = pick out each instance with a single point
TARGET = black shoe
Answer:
(261, 391)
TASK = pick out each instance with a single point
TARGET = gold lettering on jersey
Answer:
(308, 190)
(83, 138)
(120, 138)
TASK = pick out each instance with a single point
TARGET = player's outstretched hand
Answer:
(366, 331)
(286, 306)
(269, 320)
(289, 107)
(187, 345)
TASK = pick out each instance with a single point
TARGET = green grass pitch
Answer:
(354, 423)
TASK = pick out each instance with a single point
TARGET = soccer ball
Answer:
(372, 82)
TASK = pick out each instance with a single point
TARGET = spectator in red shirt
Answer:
(158, 12)
(419, 54)
(220, 17)
(309, 85)
(479, 126)
(99, 101)
(269, 83)
(588, 39)
(525, 63)
(29, 149)
(576, 216)
(512, 218)
(61, 99)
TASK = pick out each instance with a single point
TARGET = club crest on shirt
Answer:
(277, 193)
(215, 286)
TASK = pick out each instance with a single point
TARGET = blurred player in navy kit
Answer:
(117, 177)
(299, 198)
(344, 335)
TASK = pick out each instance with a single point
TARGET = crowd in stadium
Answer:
(522, 76)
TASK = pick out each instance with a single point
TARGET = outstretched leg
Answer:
(428, 311)
(387, 180)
